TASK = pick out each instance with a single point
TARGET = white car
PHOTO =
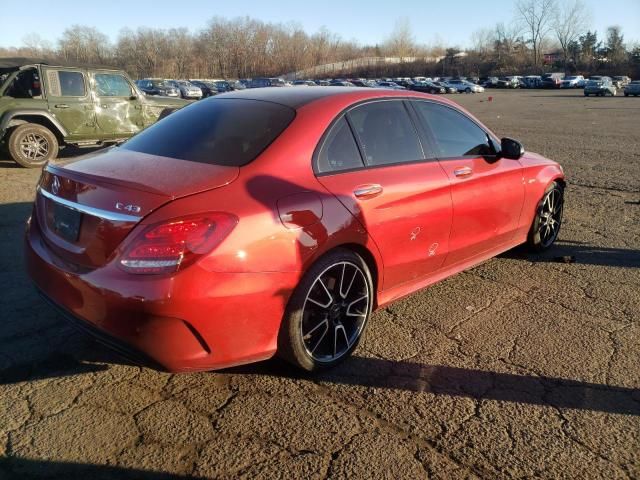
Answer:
(574, 81)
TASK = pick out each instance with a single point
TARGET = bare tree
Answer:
(245, 47)
(80, 43)
(572, 20)
(483, 40)
(401, 42)
(537, 17)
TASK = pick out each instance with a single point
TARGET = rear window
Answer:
(230, 132)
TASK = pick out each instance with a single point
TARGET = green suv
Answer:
(44, 107)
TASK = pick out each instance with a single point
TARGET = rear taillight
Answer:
(175, 244)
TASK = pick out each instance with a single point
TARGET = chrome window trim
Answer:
(96, 212)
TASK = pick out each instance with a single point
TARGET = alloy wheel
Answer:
(34, 146)
(550, 217)
(335, 311)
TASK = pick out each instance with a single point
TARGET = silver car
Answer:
(621, 81)
(574, 81)
(463, 86)
(187, 89)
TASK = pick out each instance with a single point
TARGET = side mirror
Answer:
(510, 148)
(133, 97)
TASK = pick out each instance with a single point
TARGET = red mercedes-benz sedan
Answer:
(277, 219)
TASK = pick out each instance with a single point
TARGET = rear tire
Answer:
(328, 312)
(546, 224)
(31, 145)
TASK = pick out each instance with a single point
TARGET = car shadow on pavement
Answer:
(19, 468)
(576, 252)
(463, 382)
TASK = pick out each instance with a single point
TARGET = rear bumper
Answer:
(194, 320)
(101, 336)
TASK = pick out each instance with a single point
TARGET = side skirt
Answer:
(388, 296)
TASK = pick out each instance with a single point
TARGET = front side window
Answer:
(112, 85)
(385, 133)
(339, 151)
(229, 132)
(455, 135)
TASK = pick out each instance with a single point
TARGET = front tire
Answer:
(328, 312)
(548, 219)
(31, 145)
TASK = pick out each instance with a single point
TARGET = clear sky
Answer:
(367, 22)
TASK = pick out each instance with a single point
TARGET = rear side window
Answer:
(112, 85)
(66, 83)
(455, 135)
(386, 133)
(229, 132)
(339, 151)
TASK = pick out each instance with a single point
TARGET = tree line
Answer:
(246, 47)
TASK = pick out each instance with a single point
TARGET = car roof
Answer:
(297, 97)
(15, 63)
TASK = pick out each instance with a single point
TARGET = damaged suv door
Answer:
(117, 104)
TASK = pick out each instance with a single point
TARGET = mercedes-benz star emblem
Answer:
(55, 185)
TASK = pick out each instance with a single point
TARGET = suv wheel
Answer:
(32, 145)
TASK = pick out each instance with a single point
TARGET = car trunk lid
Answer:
(86, 208)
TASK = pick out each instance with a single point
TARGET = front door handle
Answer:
(463, 172)
(368, 191)
(61, 105)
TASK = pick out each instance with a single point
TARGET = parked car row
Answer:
(550, 80)
(418, 84)
(187, 89)
(202, 88)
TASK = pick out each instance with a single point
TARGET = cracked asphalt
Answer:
(523, 367)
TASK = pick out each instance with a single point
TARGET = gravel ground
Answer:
(521, 367)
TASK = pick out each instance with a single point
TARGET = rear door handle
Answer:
(463, 172)
(368, 191)
(61, 105)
